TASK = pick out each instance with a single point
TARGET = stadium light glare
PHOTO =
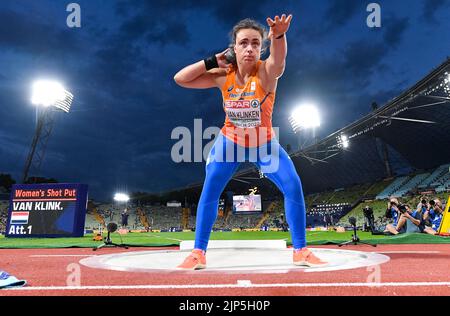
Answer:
(49, 97)
(47, 93)
(305, 116)
(121, 197)
(51, 93)
(343, 141)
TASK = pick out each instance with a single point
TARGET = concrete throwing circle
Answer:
(235, 260)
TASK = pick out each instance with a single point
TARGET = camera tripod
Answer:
(355, 239)
(108, 243)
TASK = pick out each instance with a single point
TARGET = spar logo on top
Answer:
(19, 218)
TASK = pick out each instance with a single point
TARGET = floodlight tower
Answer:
(49, 97)
(303, 118)
(121, 198)
(342, 141)
(447, 85)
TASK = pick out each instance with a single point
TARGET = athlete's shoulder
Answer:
(218, 72)
(219, 76)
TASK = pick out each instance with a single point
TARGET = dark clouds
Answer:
(351, 67)
(362, 57)
(342, 77)
(224, 11)
(27, 34)
(432, 7)
(120, 66)
(167, 31)
(340, 12)
(395, 29)
(336, 16)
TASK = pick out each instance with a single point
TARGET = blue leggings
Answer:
(224, 159)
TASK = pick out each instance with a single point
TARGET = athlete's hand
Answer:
(279, 26)
(221, 59)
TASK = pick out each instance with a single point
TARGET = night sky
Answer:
(121, 62)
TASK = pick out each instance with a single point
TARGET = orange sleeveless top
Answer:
(248, 110)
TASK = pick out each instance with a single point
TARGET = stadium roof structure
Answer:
(409, 133)
(415, 128)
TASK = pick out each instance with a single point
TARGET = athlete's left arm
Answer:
(276, 62)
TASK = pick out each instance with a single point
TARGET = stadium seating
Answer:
(316, 216)
(335, 202)
(163, 217)
(440, 180)
(3, 215)
(244, 221)
(91, 222)
(394, 186)
(443, 183)
(377, 188)
(435, 175)
(272, 207)
(378, 207)
(410, 185)
(350, 195)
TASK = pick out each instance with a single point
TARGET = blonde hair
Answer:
(393, 199)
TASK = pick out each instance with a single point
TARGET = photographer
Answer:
(433, 216)
(409, 221)
(369, 219)
(423, 206)
(392, 212)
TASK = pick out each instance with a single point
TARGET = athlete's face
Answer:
(248, 46)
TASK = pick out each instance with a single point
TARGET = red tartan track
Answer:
(398, 276)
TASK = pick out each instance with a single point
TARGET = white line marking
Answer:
(166, 238)
(244, 283)
(412, 252)
(256, 262)
(45, 256)
(220, 286)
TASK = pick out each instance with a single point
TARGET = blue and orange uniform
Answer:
(247, 135)
(248, 111)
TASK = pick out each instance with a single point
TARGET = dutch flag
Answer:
(19, 217)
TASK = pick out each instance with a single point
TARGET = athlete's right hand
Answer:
(222, 61)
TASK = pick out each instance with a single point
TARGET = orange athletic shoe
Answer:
(305, 257)
(196, 260)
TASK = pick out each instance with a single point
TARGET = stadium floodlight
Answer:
(121, 197)
(304, 116)
(51, 93)
(447, 87)
(343, 141)
(48, 96)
